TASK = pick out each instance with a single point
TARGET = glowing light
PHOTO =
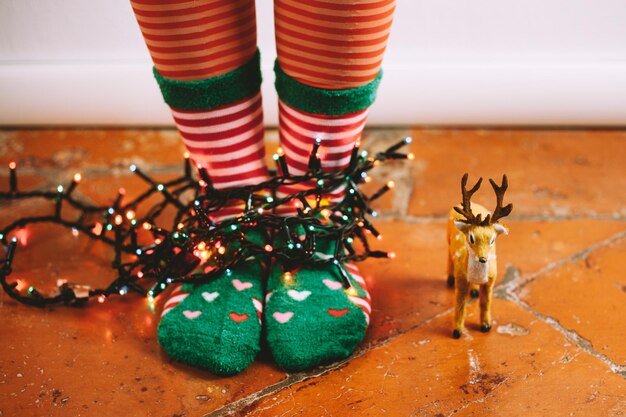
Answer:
(12, 165)
(138, 252)
(201, 246)
(118, 219)
(132, 167)
(20, 285)
(60, 189)
(102, 298)
(351, 291)
(186, 155)
(260, 210)
(275, 157)
(123, 290)
(158, 241)
(160, 187)
(180, 226)
(130, 214)
(287, 277)
(326, 213)
(228, 272)
(233, 227)
(77, 177)
(21, 236)
(140, 274)
(408, 140)
(121, 191)
(280, 151)
(202, 183)
(109, 227)
(410, 156)
(391, 184)
(221, 250)
(268, 248)
(379, 237)
(320, 182)
(97, 229)
(74, 232)
(146, 226)
(391, 255)
(368, 180)
(110, 210)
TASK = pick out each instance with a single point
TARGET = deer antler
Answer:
(466, 205)
(500, 211)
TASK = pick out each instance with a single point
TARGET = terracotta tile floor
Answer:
(558, 344)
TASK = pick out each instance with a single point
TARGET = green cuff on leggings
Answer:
(212, 92)
(322, 101)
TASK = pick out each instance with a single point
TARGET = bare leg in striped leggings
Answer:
(328, 69)
(207, 65)
(327, 73)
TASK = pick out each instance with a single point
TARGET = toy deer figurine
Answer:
(472, 233)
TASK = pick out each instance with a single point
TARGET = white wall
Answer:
(493, 62)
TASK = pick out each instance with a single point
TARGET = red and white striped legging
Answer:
(325, 44)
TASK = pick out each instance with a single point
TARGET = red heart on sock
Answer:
(238, 318)
(337, 313)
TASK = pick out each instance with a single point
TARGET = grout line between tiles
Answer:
(242, 403)
(513, 283)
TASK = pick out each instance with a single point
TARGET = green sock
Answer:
(217, 325)
(311, 318)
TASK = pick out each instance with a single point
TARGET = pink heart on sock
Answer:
(240, 286)
(298, 295)
(192, 314)
(210, 296)
(333, 285)
(283, 317)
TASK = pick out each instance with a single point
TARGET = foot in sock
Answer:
(216, 326)
(311, 318)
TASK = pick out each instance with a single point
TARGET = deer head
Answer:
(481, 233)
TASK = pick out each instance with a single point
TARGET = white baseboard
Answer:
(417, 93)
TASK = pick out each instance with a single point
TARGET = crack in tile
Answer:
(583, 343)
(246, 402)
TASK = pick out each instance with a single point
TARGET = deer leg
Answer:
(485, 306)
(450, 270)
(459, 311)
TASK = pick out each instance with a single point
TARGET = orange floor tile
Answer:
(557, 347)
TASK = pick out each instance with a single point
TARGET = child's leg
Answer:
(207, 65)
(328, 69)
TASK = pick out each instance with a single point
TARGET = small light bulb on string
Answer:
(13, 176)
(130, 214)
(75, 232)
(391, 255)
(352, 292)
(268, 248)
(102, 298)
(287, 277)
(118, 219)
(221, 250)
(187, 164)
(75, 181)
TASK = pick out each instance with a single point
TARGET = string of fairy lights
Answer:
(199, 247)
